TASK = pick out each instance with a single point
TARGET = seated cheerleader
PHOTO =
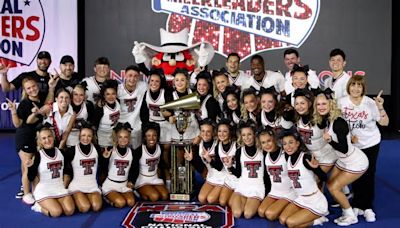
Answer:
(117, 188)
(250, 189)
(203, 155)
(310, 206)
(81, 162)
(52, 198)
(351, 163)
(281, 193)
(147, 158)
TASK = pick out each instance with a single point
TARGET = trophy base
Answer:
(180, 197)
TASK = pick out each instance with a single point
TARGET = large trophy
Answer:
(182, 171)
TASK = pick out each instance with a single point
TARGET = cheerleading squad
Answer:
(265, 143)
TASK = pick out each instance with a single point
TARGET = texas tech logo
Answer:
(242, 26)
(23, 26)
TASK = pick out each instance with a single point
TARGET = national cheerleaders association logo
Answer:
(22, 30)
(242, 26)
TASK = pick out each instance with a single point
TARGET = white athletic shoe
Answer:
(369, 215)
(358, 211)
(346, 220)
(28, 199)
(320, 221)
(36, 207)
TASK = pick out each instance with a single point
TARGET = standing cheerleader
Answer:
(281, 193)
(81, 162)
(270, 111)
(362, 113)
(209, 107)
(250, 189)
(52, 198)
(311, 134)
(83, 109)
(310, 206)
(351, 163)
(147, 159)
(231, 107)
(205, 152)
(117, 162)
(107, 113)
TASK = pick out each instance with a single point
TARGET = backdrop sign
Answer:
(287, 23)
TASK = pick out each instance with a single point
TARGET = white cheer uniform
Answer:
(148, 166)
(110, 118)
(214, 177)
(230, 180)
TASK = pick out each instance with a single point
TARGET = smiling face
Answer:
(202, 86)
(248, 136)
(267, 102)
(290, 144)
(232, 102)
(86, 136)
(67, 69)
(78, 96)
(43, 64)
(206, 132)
(337, 63)
(131, 78)
(180, 82)
(302, 105)
(102, 71)
(322, 105)
(63, 100)
(31, 88)
(151, 138)
(299, 80)
(123, 137)
(257, 67)
(221, 82)
(290, 60)
(356, 90)
(154, 83)
(223, 133)
(110, 95)
(233, 64)
(268, 143)
(250, 102)
(46, 139)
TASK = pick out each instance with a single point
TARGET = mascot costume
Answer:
(173, 53)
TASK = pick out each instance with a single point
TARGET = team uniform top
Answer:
(145, 166)
(131, 103)
(93, 89)
(214, 176)
(119, 164)
(338, 85)
(209, 108)
(58, 121)
(240, 80)
(310, 133)
(277, 123)
(271, 78)
(49, 167)
(81, 162)
(84, 112)
(312, 80)
(362, 120)
(150, 110)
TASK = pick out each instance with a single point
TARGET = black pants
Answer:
(364, 187)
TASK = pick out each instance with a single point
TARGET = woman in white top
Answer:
(362, 113)
(62, 117)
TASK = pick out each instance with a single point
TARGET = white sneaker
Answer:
(369, 215)
(28, 199)
(320, 221)
(346, 220)
(358, 211)
(36, 207)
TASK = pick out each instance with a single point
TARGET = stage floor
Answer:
(16, 214)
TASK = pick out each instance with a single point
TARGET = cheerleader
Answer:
(204, 154)
(209, 106)
(29, 113)
(299, 80)
(351, 163)
(147, 159)
(311, 134)
(362, 113)
(95, 83)
(270, 111)
(220, 83)
(83, 109)
(130, 94)
(181, 88)
(281, 193)
(310, 206)
(81, 162)
(52, 198)
(61, 118)
(107, 113)
(250, 189)
(117, 162)
(250, 104)
(231, 107)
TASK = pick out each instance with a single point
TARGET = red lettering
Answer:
(266, 7)
(36, 32)
(17, 26)
(283, 8)
(307, 10)
(5, 25)
(253, 6)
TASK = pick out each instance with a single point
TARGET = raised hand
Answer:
(313, 162)
(107, 153)
(138, 52)
(206, 155)
(202, 55)
(3, 68)
(379, 100)
(54, 79)
(11, 105)
(188, 155)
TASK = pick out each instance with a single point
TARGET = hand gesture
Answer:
(206, 155)
(106, 152)
(29, 162)
(202, 55)
(54, 79)
(313, 163)
(11, 105)
(188, 155)
(229, 161)
(327, 137)
(35, 108)
(3, 68)
(138, 52)
(379, 100)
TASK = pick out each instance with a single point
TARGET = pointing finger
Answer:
(380, 94)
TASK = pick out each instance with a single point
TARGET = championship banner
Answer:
(30, 26)
(244, 26)
(163, 214)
